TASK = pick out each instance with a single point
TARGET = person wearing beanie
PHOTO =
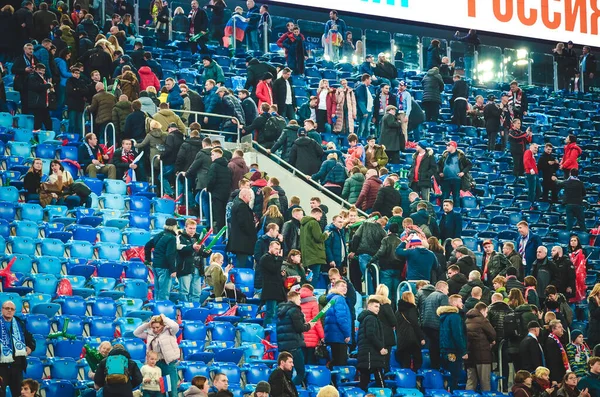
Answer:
(262, 389)
(212, 70)
(464, 261)
(420, 262)
(578, 353)
(163, 258)
(423, 167)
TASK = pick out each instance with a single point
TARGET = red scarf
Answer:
(563, 353)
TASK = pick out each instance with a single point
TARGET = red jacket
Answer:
(148, 79)
(264, 93)
(282, 38)
(368, 194)
(529, 162)
(310, 308)
(331, 105)
(569, 160)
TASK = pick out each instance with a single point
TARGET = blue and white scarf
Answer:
(16, 341)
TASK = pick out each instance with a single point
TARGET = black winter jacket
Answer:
(38, 89)
(496, 313)
(198, 171)
(387, 199)
(370, 341)
(242, 234)
(427, 169)
(165, 250)
(272, 288)
(185, 255)
(306, 155)
(172, 145)
(408, 332)
(290, 327)
(219, 180)
(187, 153)
(388, 323)
(75, 94)
(456, 282)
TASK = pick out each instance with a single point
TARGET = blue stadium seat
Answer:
(102, 327)
(8, 211)
(194, 330)
(23, 263)
(44, 283)
(136, 347)
(126, 325)
(243, 279)
(58, 387)
(221, 331)
(112, 201)
(26, 229)
(109, 251)
(37, 324)
(22, 245)
(52, 247)
(68, 348)
(139, 204)
(255, 373)
(72, 305)
(9, 193)
(115, 186)
(35, 369)
(136, 237)
(163, 206)
(135, 288)
(167, 308)
(432, 379)
(68, 153)
(250, 333)
(19, 149)
(191, 369)
(110, 269)
(137, 271)
(110, 235)
(83, 233)
(75, 324)
(317, 376)
(233, 372)
(63, 369)
(31, 212)
(48, 264)
(139, 220)
(80, 249)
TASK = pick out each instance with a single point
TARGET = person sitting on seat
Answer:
(93, 158)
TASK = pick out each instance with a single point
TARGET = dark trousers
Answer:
(365, 377)
(533, 187)
(41, 117)
(433, 339)
(202, 43)
(309, 356)
(492, 136)
(393, 156)
(451, 186)
(459, 113)
(518, 168)
(242, 260)
(321, 120)
(566, 173)
(298, 356)
(218, 213)
(454, 368)
(574, 213)
(339, 354)
(549, 187)
(12, 376)
(288, 112)
(414, 354)
(432, 110)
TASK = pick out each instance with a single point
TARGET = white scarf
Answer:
(12, 345)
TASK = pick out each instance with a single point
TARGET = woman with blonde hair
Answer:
(387, 319)
(215, 275)
(160, 333)
(541, 384)
(409, 336)
(326, 106)
(271, 215)
(594, 316)
(106, 46)
(180, 22)
(270, 197)
(112, 39)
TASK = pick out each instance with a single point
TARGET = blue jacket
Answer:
(530, 250)
(334, 245)
(422, 217)
(338, 321)
(361, 93)
(451, 225)
(43, 56)
(331, 171)
(341, 27)
(365, 68)
(211, 100)
(452, 333)
(174, 98)
(290, 327)
(63, 68)
(429, 317)
(420, 262)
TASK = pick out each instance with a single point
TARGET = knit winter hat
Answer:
(263, 387)
(414, 241)
(171, 222)
(575, 334)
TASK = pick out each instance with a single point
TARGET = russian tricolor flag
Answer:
(165, 384)
(240, 29)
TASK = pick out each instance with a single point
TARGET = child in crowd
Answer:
(151, 375)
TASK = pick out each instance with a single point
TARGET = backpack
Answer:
(117, 370)
(514, 327)
(425, 228)
(273, 128)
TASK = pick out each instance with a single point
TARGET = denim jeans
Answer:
(468, 66)
(575, 212)
(391, 279)
(298, 356)
(170, 370)
(270, 311)
(534, 188)
(205, 207)
(364, 124)
(162, 284)
(451, 186)
(252, 40)
(189, 285)
(168, 170)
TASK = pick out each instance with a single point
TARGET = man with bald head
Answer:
(16, 344)
(564, 279)
(101, 109)
(242, 228)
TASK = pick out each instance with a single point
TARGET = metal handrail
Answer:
(398, 295)
(160, 166)
(204, 114)
(367, 275)
(266, 37)
(170, 25)
(311, 182)
(114, 134)
(500, 346)
(185, 193)
(83, 121)
(210, 209)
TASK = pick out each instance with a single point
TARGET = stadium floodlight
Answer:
(522, 53)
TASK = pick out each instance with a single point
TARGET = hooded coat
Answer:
(166, 117)
(219, 180)
(148, 79)
(130, 85)
(214, 71)
(338, 320)
(353, 187)
(238, 168)
(370, 341)
(242, 238)
(312, 242)
(572, 153)
(456, 282)
(452, 335)
(387, 199)
(345, 98)
(198, 170)
(480, 336)
(305, 155)
(433, 86)
(291, 326)
(310, 308)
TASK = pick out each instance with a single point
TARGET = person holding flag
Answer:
(126, 160)
(236, 27)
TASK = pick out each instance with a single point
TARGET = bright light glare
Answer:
(344, 59)
(354, 59)
(486, 66)
(326, 57)
(522, 53)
